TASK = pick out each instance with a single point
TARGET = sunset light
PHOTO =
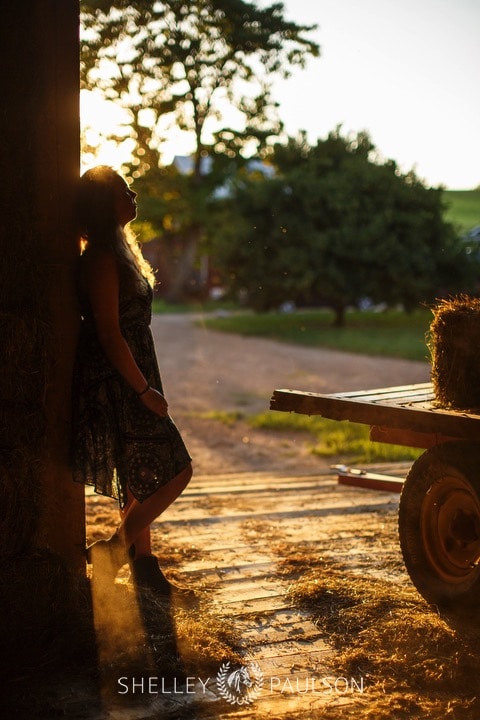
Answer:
(414, 96)
(99, 118)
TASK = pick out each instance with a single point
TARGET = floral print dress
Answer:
(117, 443)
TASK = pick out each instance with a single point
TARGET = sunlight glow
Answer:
(100, 118)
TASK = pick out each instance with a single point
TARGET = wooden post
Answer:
(39, 164)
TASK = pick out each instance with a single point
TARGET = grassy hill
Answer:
(463, 208)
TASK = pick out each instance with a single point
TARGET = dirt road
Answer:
(211, 372)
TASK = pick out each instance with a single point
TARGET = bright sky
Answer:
(404, 70)
(407, 71)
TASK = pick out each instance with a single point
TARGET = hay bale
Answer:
(454, 345)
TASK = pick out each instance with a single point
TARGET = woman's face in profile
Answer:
(124, 201)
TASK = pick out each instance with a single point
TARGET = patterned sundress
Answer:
(116, 441)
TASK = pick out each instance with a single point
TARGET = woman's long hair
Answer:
(99, 226)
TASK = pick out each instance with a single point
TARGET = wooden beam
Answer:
(407, 438)
(63, 519)
(39, 166)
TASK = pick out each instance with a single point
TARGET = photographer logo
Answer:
(240, 685)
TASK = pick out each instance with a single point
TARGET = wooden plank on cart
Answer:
(419, 392)
(409, 406)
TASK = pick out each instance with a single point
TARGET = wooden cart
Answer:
(439, 512)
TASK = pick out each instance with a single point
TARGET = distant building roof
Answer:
(185, 164)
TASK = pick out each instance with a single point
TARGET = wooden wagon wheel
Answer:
(439, 524)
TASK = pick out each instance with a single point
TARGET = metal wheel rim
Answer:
(450, 526)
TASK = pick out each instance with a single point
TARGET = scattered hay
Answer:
(174, 556)
(454, 344)
(206, 640)
(58, 652)
(193, 640)
(415, 663)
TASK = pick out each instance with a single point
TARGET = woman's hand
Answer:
(154, 401)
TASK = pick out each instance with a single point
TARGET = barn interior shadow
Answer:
(64, 652)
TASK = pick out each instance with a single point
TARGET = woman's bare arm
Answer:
(102, 285)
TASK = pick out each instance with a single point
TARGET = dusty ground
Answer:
(205, 371)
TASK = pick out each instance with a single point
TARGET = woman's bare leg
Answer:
(137, 517)
(143, 542)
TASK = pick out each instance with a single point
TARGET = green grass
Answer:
(333, 438)
(463, 208)
(390, 334)
(226, 417)
(330, 438)
(162, 306)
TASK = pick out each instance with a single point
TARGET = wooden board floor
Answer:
(234, 530)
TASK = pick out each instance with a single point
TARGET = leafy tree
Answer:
(204, 67)
(175, 207)
(336, 225)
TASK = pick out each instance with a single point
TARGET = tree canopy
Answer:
(204, 67)
(335, 225)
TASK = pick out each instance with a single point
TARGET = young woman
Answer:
(124, 442)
